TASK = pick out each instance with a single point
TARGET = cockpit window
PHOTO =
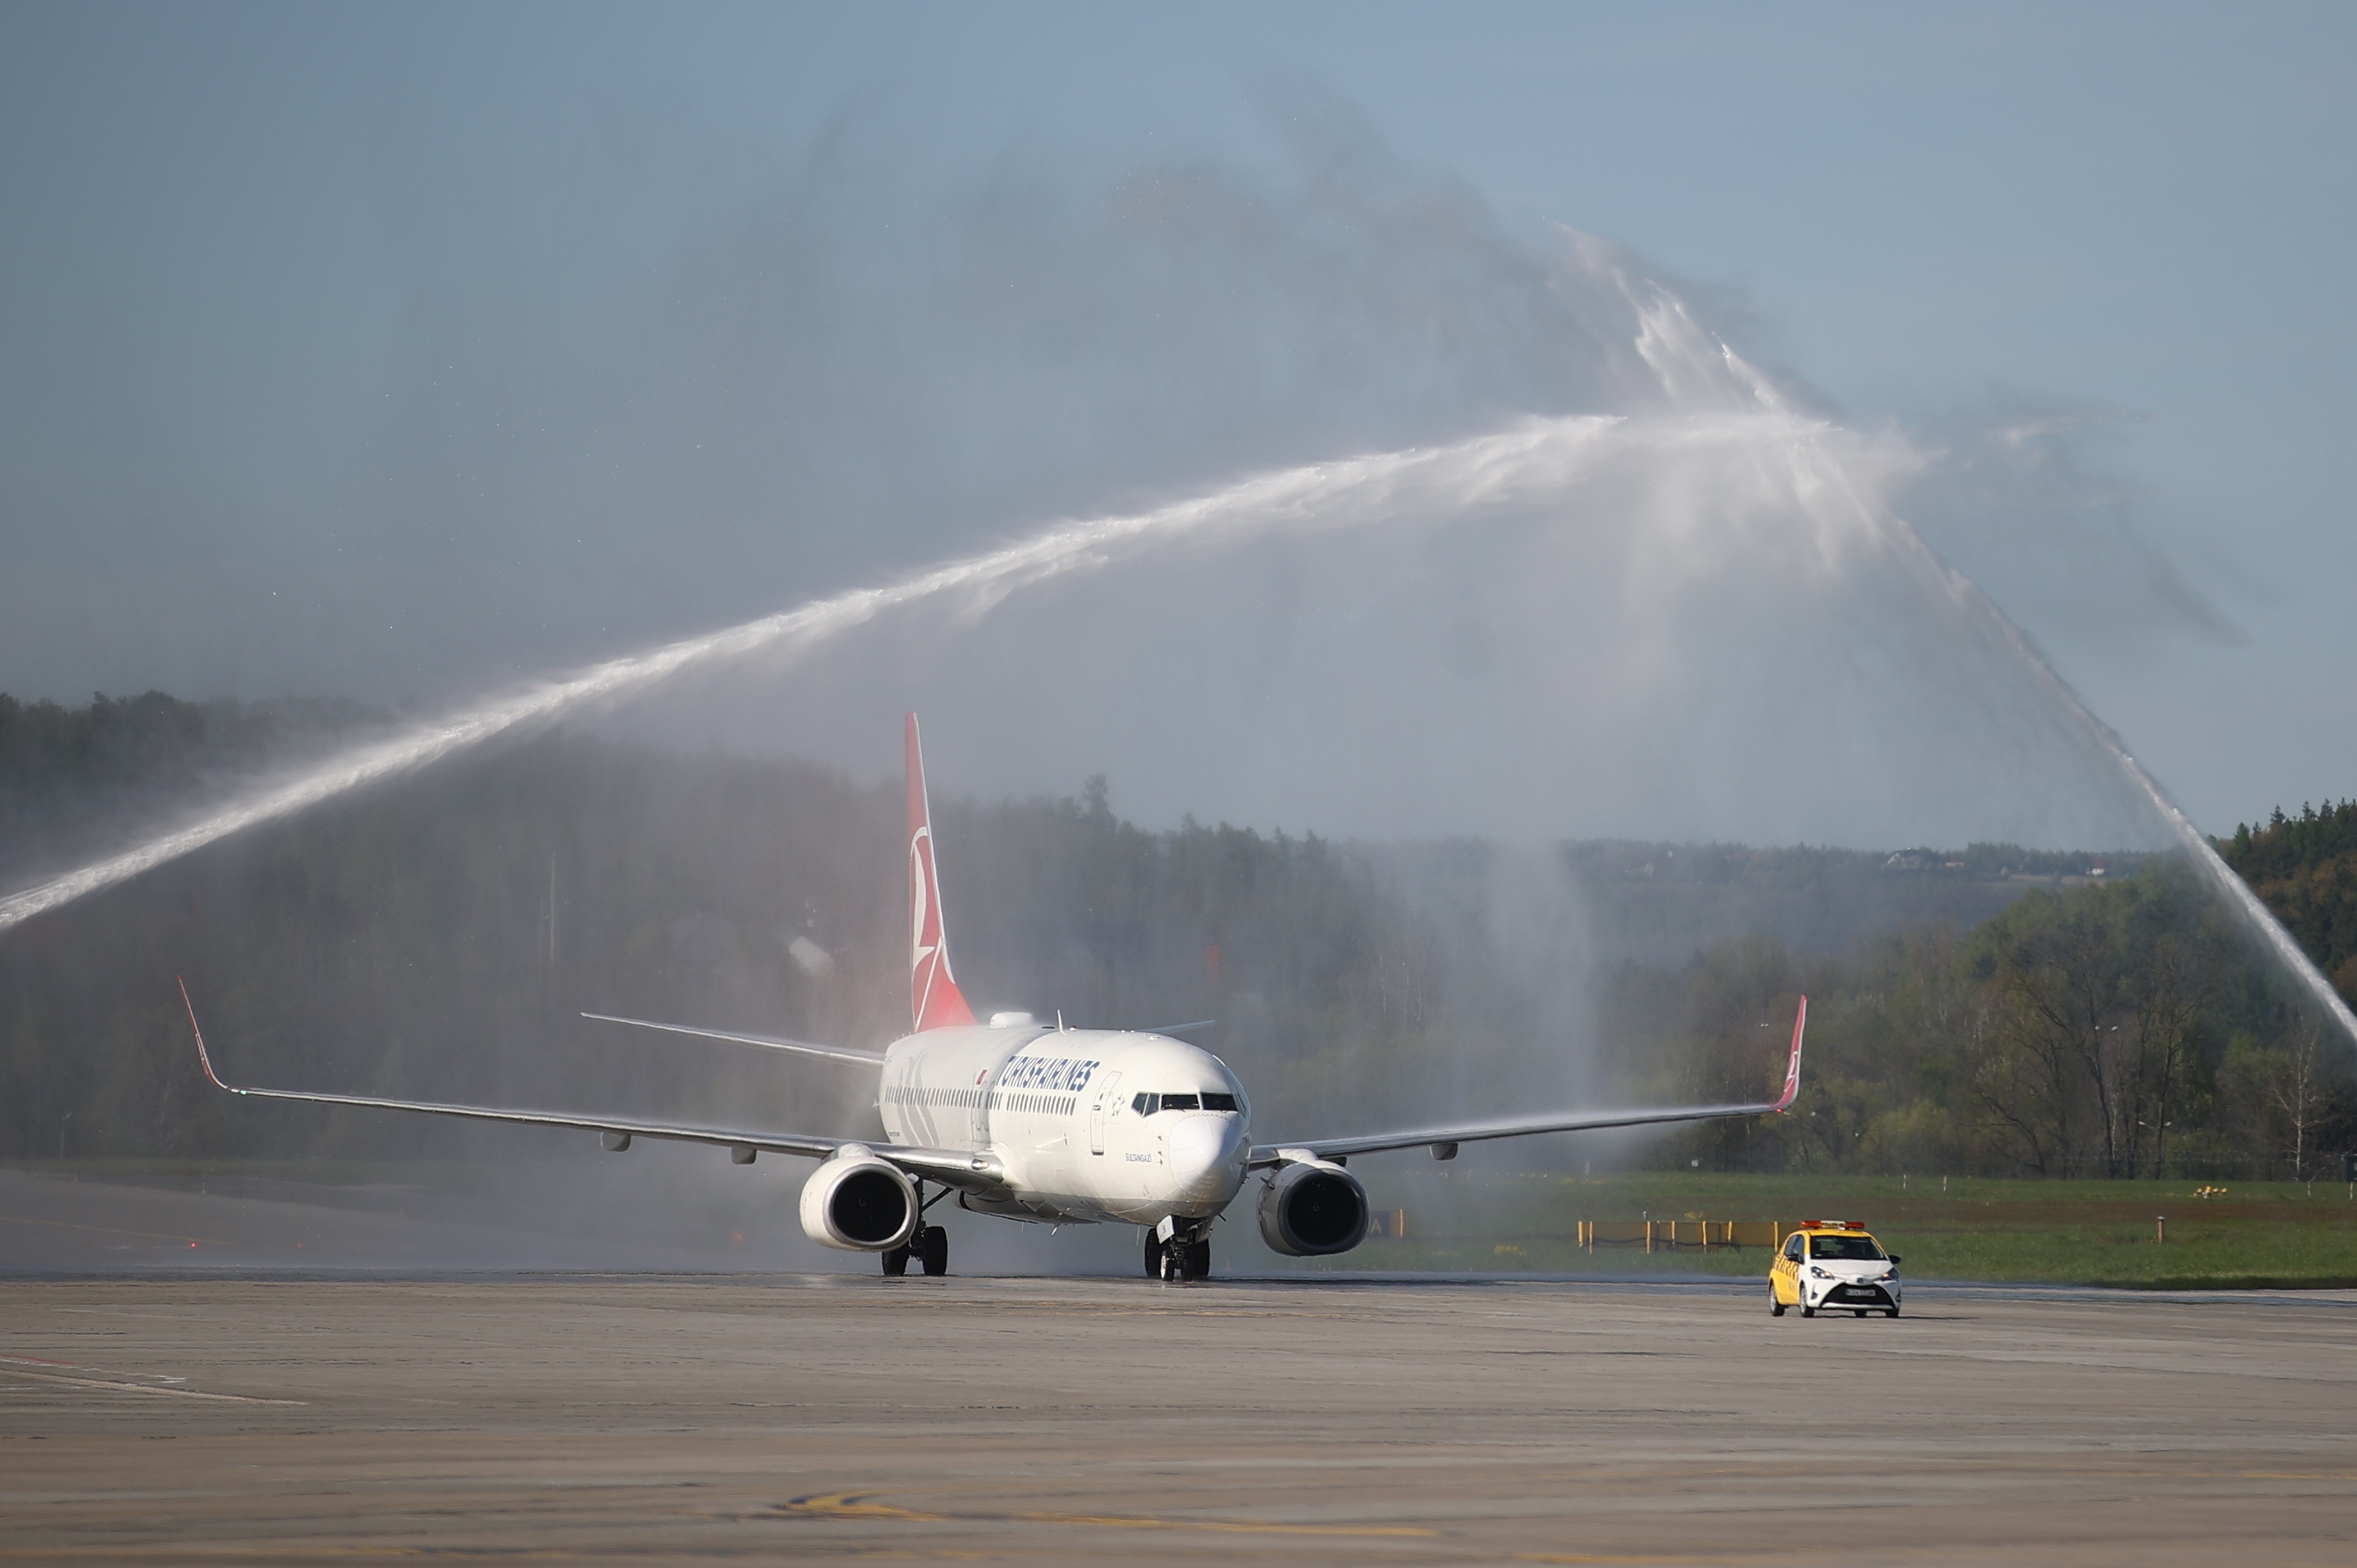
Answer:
(1148, 1104)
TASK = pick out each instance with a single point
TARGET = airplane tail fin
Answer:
(935, 1002)
(1792, 1070)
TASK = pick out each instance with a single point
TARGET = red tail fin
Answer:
(934, 1000)
(1793, 1072)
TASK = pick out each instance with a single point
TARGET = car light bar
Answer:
(1832, 1224)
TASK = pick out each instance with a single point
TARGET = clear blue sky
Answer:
(241, 242)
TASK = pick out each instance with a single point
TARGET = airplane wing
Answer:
(951, 1168)
(833, 1053)
(1442, 1141)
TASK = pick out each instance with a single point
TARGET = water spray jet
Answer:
(1471, 470)
(2206, 858)
(1534, 456)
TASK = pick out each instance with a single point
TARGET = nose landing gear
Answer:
(1180, 1261)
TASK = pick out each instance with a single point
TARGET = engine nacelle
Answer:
(1313, 1209)
(859, 1203)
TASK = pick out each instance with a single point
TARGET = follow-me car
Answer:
(1049, 1125)
(1829, 1264)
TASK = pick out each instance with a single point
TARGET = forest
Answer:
(1988, 1011)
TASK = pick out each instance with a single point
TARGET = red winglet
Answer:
(934, 1000)
(1793, 1073)
(202, 1059)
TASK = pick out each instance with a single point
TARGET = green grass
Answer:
(2276, 1235)
(2252, 1235)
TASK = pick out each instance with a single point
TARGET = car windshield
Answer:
(1848, 1249)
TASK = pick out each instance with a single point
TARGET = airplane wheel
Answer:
(933, 1247)
(1197, 1263)
(895, 1261)
(1153, 1256)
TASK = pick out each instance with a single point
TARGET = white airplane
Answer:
(1048, 1124)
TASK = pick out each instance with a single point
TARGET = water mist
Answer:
(1700, 404)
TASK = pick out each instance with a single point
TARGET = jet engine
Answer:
(1313, 1209)
(859, 1203)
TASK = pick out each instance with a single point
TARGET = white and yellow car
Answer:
(1834, 1265)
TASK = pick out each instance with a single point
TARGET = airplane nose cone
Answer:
(1203, 1156)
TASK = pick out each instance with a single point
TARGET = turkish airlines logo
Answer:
(924, 934)
(1792, 1071)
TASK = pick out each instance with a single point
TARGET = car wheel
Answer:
(1890, 1312)
(1861, 1312)
(1775, 1302)
(1806, 1310)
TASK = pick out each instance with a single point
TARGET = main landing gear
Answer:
(928, 1244)
(930, 1248)
(1178, 1261)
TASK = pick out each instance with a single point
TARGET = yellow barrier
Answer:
(1669, 1235)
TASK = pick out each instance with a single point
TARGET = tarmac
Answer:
(254, 1417)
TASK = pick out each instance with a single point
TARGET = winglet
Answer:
(202, 1059)
(935, 1001)
(1793, 1073)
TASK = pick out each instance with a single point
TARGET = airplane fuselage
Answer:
(1088, 1125)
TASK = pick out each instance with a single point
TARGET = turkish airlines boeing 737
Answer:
(1049, 1125)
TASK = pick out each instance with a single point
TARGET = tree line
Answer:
(2118, 1029)
(437, 937)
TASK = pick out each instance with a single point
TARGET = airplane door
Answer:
(1099, 1108)
(978, 1097)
